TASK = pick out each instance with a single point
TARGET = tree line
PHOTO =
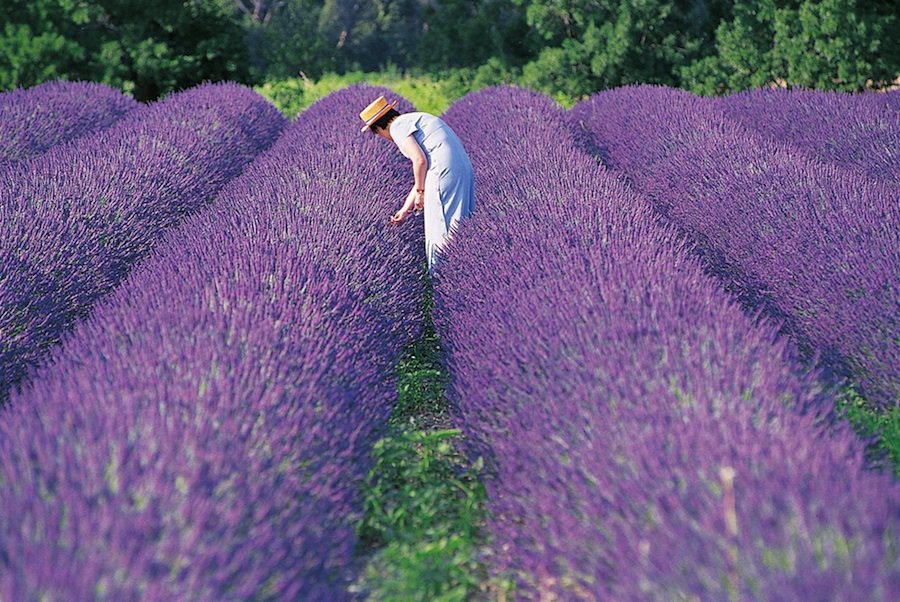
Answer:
(571, 47)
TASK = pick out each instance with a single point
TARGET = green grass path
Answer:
(423, 501)
(879, 426)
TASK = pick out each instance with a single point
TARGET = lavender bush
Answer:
(892, 99)
(74, 220)
(35, 119)
(203, 435)
(814, 244)
(646, 439)
(856, 131)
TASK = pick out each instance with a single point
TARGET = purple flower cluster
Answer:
(812, 243)
(74, 220)
(892, 99)
(645, 438)
(856, 131)
(35, 119)
(203, 434)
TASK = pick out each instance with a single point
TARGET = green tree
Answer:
(824, 44)
(834, 44)
(289, 43)
(468, 33)
(146, 48)
(595, 44)
(339, 35)
(40, 40)
(370, 34)
(150, 48)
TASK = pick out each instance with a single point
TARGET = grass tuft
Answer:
(424, 504)
(880, 426)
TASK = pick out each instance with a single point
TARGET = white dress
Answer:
(449, 183)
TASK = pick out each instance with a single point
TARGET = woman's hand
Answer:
(398, 217)
(401, 214)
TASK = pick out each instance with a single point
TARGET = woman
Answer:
(444, 185)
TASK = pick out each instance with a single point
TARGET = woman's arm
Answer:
(410, 147)
(404, 210)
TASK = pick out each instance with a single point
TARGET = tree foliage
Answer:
(594, 44)
(38, 42)
(568, 48)
(146, 48)
(823, 44)
(154, 47)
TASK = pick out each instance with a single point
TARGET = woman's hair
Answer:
(383, 121)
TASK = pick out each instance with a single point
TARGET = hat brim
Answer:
(378, 115)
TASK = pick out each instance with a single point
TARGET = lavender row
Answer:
(74, 220)
(814, 244)
(35, 119)
(646, 440)
(203, 435)
(892, 99)
(856, 131)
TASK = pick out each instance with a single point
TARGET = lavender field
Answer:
(646, 331)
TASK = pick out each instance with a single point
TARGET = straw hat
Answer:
(376, 109)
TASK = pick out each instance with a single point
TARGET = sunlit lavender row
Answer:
(74, 220)
(817, 245)
(646, 439)
(891, 99)
(203, 436)
(35, 119)
(854, 131)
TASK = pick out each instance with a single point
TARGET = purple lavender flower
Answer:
(854, 131)
(204, 433)
(891, 99)
(76, 219)
(646, 439)
(35, 119)
(814, 244)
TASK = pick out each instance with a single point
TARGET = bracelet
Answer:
(422, 190)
